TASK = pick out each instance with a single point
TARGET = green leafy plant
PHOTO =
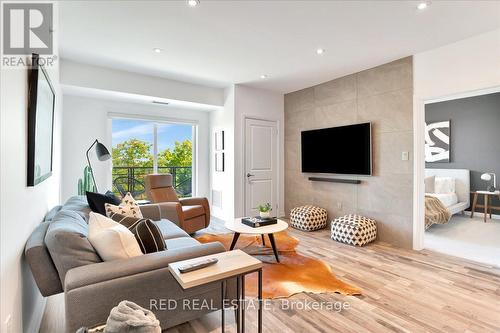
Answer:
(265, 208)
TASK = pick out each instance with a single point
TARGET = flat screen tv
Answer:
(339, 150)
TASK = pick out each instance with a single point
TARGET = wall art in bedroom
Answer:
(437, 142)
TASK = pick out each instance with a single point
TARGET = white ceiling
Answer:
(223, 42)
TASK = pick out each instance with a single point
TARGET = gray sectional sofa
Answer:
(63, 260)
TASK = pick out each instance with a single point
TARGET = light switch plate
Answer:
(405, 156)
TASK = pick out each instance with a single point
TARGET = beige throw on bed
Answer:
(435, 212)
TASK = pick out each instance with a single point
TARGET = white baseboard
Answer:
(479, 214)
(34, 325)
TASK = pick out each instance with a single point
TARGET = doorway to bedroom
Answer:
(462, 196)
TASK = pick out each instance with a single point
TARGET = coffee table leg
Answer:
(273, 244)
(259, 295)
(222, 287)
(263, 240)
(235, 239)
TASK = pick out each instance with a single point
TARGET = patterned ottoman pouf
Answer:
(308, 218)
(354, 229)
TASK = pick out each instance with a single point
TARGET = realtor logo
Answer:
(27, 28)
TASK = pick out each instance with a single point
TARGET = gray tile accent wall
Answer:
(384, 96)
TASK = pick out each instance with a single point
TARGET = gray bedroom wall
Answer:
(475, 136)
(383, 96)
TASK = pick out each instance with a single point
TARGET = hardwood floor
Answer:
(403, 291)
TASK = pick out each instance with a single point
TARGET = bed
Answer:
(452, 197)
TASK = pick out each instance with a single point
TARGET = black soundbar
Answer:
(335, 180)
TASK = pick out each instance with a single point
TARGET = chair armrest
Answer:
(164, 210)
(109, 270)
(193, 201)
(198, 201)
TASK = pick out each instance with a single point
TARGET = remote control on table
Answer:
(197, 265)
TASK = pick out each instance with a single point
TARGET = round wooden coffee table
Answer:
(270, 230)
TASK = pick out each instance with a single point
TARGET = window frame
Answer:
(158, 120)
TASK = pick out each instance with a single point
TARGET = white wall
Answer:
(259, 104)
(22, 208)
(241, 102)
(95, 77)
(464, 68)
(86, 119)
(468, 65)
(223, 182)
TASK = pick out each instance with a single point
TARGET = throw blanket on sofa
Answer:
(435, 212)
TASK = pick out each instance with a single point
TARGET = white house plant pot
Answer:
(265, 214)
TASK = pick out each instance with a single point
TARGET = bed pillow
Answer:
(444, 185)
(430, 184)
(127, 207)
(111, 240)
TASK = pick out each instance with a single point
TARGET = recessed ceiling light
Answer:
(263, 76)
(157, 50)
(423, 5)
(320, 51)
(193, 3)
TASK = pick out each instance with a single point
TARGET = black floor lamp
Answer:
(102, 155)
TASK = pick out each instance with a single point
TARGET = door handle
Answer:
(249, 175)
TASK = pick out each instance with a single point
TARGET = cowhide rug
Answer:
(294, 274)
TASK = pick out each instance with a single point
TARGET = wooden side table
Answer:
(487, 202)
(231, 264)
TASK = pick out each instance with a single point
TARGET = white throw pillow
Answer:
(128, 207)
(444, 185)
(111, 240)
(430, 184)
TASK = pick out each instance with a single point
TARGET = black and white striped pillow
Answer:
(147, 233)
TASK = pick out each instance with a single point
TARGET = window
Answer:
(141, 147)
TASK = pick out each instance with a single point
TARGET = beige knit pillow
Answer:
(127, 207)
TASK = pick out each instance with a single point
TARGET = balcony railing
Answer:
(131, 179)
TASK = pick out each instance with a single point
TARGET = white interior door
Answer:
(261, 165)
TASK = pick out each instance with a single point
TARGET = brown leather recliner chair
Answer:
(191, 214)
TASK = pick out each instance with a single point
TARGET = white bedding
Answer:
(447, 199)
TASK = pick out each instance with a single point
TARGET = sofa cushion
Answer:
(66, 240)
(96, 201)
(176, 243)
(40, 262)
(112, 240)
(128, 207)
(192, 211)
(78, 204)
(170, 230)
(50, 215)
(147, 233)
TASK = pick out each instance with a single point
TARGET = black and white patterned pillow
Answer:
(146, 232)
(127, 207)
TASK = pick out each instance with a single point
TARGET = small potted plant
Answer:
(265, 210)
